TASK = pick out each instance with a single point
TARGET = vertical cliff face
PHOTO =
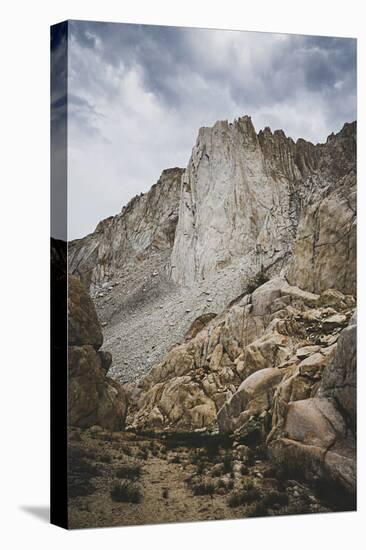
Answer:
(236, 199)
(246, 201)
(244, 194)
(324, 253)
(147, 223)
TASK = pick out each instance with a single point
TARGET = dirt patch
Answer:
(176, 482)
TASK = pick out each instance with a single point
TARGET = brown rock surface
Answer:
(317, 444)
(325, 248)
(206, 381)
(84, 328)
(93, 397)
(317, 435)
(339, 378)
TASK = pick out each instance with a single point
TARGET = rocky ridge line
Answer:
(276, 207)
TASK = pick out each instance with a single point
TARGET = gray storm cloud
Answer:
(138, 95)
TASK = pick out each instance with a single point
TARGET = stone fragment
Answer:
(304, 352)
(334, 321)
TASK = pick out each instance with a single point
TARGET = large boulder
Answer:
(93, 397)
(84, 327)
(317, 436)
(272, 349)
(339, 378)
(264, 296)
(253, 398)
(316, 444)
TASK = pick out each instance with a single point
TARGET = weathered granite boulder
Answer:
(253, 398)
(339, 380)
(206, 382)
(84, 327)
(317, 436)
(93, 397)
(265, 295)
(316, 443)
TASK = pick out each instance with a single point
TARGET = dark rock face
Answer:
(84, 328)
(93, 397)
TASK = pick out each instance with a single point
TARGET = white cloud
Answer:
(137, 98)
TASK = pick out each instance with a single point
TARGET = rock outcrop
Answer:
(317, 445)
(278, 366)
(339, 381)
(326, 240)
(318, 435)
(236, 200)
(264, 351)
(247, 208)
(147, 223)
(244, 194)
(228, 291)
(93, 397)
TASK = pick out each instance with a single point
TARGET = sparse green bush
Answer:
(217, 470)
(203, 488)
(274, 498)
(165, 493)
(126, 450)
(258, 509)
(126, 491)
(227, 464)
(248, 484)
(253, 283)
(244, 469)
(247, 494)
(227, 484)
(234, 500)
(143, 454)
(175, 459)
(80, 471)
(199, 455)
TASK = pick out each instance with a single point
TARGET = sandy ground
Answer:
(169, 474)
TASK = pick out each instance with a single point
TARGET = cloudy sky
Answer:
(138, 95)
